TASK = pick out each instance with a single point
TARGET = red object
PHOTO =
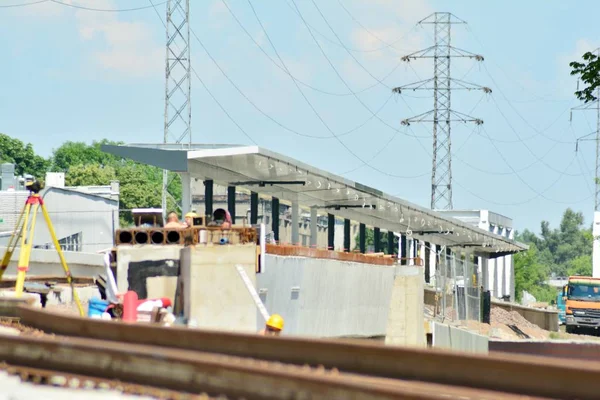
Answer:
(130, 305)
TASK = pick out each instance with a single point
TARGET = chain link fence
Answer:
(457, 285)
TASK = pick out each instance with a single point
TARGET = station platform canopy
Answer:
(268, 173)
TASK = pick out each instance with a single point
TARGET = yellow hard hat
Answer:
(191, 215)
(275, 322)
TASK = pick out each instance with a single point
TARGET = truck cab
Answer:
(582, 303)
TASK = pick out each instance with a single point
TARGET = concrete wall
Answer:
(545, 319)
(327, 298)
(214, 294)
(47, 263)
(155, 260)
(405, 319)
(451, 338)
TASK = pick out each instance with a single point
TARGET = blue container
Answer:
(96, 307)
(224, 240)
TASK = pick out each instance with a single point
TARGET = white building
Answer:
(498, 277)
(84, 217)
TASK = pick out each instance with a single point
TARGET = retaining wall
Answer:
(451, 338)
(327, 298)
(47, 263)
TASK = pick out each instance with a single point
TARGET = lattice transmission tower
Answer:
(178, 83)
(442, 115)
(593, 106)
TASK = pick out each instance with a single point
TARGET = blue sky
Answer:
(71, 74)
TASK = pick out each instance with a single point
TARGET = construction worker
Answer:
(173, 220)
(274, 326)
(189, 218)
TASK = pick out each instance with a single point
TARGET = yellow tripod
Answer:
(26, 225)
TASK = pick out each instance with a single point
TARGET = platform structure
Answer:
(261, 171)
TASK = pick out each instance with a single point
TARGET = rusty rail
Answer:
(192, 372)
(527, 375)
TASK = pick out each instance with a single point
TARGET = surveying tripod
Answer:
(26, 225)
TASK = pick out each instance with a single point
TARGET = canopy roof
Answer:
(269, 173)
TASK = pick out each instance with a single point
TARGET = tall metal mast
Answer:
(178, 107)
(442, 114)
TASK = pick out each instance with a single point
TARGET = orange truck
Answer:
(582, 304)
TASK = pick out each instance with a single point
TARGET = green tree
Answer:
(22, 155)
(531, 276)
(90, 175)
(370, 241)
(71, 154)
(140, 184)
(589, 73)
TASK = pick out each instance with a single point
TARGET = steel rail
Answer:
(519, 374)
(192, 372)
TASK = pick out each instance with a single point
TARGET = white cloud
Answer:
(128, 48)
(394, 29)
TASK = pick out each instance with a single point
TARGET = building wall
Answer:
(327, 298)
(82, 222)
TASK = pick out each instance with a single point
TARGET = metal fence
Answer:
(457, 285)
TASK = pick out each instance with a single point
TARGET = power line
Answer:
(297, 12)
(107, 9)
(23, 4)
(313, 108)
(287, 72)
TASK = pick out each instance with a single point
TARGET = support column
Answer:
(362, 238)
(253, 208)
(390, 242)
(295, 223)
(347, 235)
(208, 198)
(275, 218)
(330, 231)
(231, 202)
(186, 192)
(404, 249)
(485, 273)
(377, 240)
(427, 257)
(314, 230)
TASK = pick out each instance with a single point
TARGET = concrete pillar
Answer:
(295, 223)
(405, 318)
(231, 202)
(330, 231)
(347, 233)
(362, 238)
(208, 197)
(254, 208)
(377, 240)
(186, 192)
(313, 227)
(275, 218)
(485, 273)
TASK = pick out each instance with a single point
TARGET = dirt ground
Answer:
(499, 328)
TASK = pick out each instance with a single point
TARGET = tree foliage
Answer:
(87, 165)
(563, 251)
(22, 155)
(370, 241)
(589, 73)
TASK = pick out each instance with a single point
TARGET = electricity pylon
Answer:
(442, 115)
(178, 106)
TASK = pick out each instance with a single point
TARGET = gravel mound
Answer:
(501, 316)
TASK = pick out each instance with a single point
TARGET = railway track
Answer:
(305, 367)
